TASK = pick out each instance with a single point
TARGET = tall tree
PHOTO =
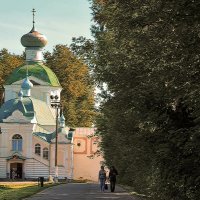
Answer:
(147, 52)
(78, 89)
(84, 49)
(8, 62)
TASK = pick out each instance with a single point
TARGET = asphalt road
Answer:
(78, 191)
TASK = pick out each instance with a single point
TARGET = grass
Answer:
(19, 191)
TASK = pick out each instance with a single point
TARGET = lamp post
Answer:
(55, 103)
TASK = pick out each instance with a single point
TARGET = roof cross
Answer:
(33, 11)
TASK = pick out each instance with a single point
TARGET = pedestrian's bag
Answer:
(106, 186)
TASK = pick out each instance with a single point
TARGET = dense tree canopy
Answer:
(8, 62)
(84, 49)
(147, 53)
(78, 89)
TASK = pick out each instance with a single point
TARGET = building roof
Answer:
(35, 69)
(85, 131)
(43, 112)
(60, 131)
(25, 106)
(30, 108)
(44, 136)
(48, 137)
(39, 128)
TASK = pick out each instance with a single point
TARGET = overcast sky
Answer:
(58, 20)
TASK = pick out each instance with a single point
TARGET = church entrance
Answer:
(16, 170)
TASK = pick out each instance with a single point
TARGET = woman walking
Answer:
(102, 178)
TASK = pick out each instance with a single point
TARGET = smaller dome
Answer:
(62, 121)
(26, 85)
(33, 39)
(20, 94)
(62, 118)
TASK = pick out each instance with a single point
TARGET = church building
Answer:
(28, 120)
(34, 140)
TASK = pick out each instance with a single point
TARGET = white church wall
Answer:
(25, 130)
(43, 144)
(35, 169)
(2, 167)
(8, 131)
(63, 159)
(3, 144)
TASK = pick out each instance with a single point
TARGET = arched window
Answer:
(46, 153)
(17, 142)
(38, 149)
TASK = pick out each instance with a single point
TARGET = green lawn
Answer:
(18, 191)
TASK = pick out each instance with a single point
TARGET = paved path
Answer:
(78, 191)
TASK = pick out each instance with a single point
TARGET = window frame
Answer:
(17, 142)
(38, 149)
(45, 153)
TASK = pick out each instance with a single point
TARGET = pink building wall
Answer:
(86, 165)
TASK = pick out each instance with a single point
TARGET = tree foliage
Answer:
(78, 90)
(84, 49)
(8, 62)
(147, 53)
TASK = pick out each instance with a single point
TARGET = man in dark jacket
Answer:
(112, 177)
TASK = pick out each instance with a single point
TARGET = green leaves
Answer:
(78, 90)
(8, 62)
(147, 53)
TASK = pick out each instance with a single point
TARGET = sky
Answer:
(58, 20)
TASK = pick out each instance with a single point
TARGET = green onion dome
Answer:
(35, 69)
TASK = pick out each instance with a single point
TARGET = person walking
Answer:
(112, 177)
(102, 178)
